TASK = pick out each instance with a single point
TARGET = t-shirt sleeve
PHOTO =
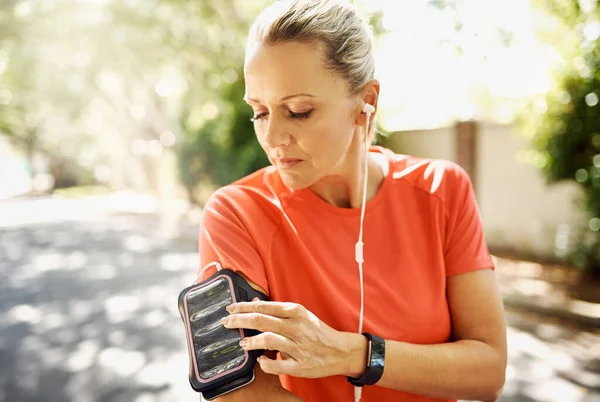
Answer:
(465, 248)
(224, 238)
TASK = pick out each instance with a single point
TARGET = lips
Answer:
(288, 163)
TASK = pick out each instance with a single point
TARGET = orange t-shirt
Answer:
(421, 226)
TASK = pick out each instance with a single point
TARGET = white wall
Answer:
(436, 143)
(518, 210)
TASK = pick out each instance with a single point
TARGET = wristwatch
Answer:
(375, 362)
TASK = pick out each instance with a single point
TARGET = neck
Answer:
(344, 190)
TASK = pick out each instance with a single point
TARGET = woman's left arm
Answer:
(471, 367)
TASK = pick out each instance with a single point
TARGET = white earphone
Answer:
(368, 109)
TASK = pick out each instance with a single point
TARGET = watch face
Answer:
(375, 362)
(216, 349)
(377, 354)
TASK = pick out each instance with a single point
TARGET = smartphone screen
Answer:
(216, 349)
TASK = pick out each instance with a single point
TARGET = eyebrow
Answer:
(246, 98)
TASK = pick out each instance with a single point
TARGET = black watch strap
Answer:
(375, 362)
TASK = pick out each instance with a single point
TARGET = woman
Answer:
(290, 229)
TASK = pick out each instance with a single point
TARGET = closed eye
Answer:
(258, 117)
(304, 115)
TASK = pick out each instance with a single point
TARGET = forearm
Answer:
(264, 388)
(260, 394)
(465, 369)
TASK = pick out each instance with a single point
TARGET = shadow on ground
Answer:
(88, 311)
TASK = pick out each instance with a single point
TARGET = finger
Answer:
(268, 341)
(259, 322)
(276, 309)
(277, 367)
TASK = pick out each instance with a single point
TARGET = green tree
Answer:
(101, 83)
(218, 144)
(565, 126)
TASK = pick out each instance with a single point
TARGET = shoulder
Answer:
(258, 197)
(443, 179)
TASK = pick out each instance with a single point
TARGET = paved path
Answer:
(88, 312)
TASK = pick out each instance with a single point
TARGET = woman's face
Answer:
(304, 117)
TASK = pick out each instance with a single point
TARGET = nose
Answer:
(275, 135)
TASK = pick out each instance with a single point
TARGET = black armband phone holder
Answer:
(218, 364)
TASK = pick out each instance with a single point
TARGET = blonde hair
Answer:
(344, 34)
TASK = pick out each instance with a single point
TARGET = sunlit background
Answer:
(118, 118)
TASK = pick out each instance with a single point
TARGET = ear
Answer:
(370, 95)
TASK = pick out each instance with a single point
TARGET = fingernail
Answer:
(243, 343)
(256, 299)
(230, 308)
(225, 321)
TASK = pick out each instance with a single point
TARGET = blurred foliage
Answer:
(105, 88)
(218, 137)
(223, 148)
(565, 126)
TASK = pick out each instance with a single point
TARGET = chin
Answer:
(295, 181)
